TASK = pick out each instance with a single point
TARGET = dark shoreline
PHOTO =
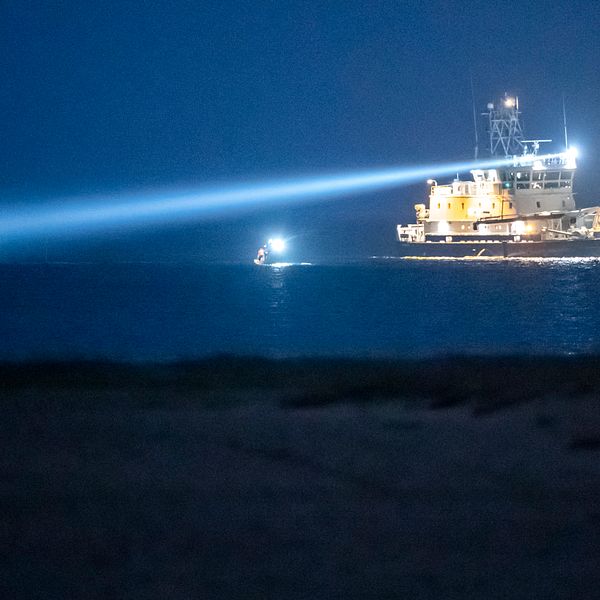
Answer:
(489, 382)
(267, 479)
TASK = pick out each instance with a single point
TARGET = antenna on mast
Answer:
(565, 123)
(474, 116)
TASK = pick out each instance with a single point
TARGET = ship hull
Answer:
(474, 249)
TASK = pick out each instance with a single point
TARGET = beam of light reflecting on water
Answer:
(88, 214)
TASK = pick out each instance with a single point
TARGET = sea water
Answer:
(375, 308)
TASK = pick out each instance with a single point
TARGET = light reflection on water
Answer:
(391, 308)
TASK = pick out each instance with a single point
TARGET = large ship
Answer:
(525, 208)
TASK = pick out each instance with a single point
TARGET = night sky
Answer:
(125, 96)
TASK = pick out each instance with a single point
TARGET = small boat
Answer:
(273, 245)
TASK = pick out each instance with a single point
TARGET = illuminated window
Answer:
(449, 205)
(439, 205)
(510, 205)
(493, 205)
(462, 205)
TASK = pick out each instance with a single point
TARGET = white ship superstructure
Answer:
(529, 201)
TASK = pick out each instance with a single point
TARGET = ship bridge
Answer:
(536, 183)
(545, 184)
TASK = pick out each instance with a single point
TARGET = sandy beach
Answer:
(236, 478)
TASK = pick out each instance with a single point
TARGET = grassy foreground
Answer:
(253, 478)
(487, 383)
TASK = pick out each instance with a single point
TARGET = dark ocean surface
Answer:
(376, 308)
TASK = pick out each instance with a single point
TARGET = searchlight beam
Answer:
(84, 215)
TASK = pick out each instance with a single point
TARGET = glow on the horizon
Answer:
(87, 214)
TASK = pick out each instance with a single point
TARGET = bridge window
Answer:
(523, 175)
(566, 175)
(565, 184)
(538, 176)
(552, 175)
(551, 184)
(522, 186)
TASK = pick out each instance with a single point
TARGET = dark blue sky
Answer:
(131, 95)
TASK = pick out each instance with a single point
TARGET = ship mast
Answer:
(474, 118)
(504, 127)
(565, 123)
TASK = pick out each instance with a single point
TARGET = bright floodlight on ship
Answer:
(509, 102)
(432, 182)
(571, 157)
(277, 244)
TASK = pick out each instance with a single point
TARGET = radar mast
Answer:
(504, 128)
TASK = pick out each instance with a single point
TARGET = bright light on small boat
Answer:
(277, 245)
